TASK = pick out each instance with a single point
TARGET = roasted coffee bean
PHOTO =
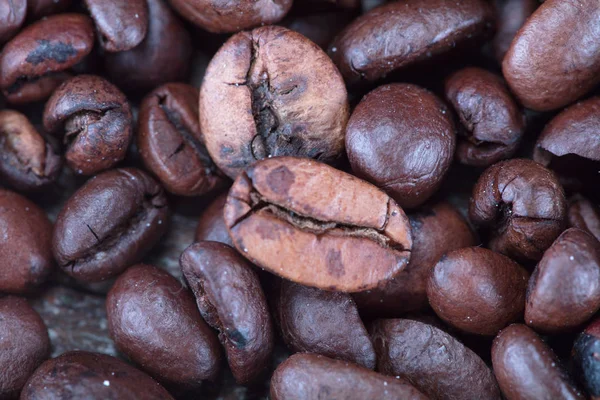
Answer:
(28, 162)
(94, 119)
(84, 375)
(403, 33)
(34, 62)
(109, 224)
(172, 145)
(327, 323)
(526, 368)
(455, 290)
(12, 16)
(321, 28)
(287, 97)
(211, 226)
(407, 149)
(586, 360)
(524, 206)
(163, 56)
(491, 123)
(555, 59)
(564, 290)
(311, 376)
(230, 299)
(24, 344)
(25, 244)
(585, 215)
(510, 17)
(312, 224)
(153, 320)
(432, 360)
(37, 9)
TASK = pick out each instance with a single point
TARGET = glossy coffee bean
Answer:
(523, 205)
(211, 226)
(491, 123)
(526, 368)
(326, 323)
(12, 16)
(311, 376)
(28, 162)
(35, 61)
(84, 375)
(510, 17)
(94, 119)
(432, 360)
(585, 215)
(585, 359)
(37, 9)
(171, 143)
(316, 225)
(287, 97)
(231, 300)
(24, 344)
(109, 224)
(407, 149)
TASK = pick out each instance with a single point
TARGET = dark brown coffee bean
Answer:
(109, 224)
(407, 148)
(24, 344)
(526, 368)
(320, 28)
(311, 376)
(555, 57)
(327, 323)
(211, 225)
(314, 225)
(564, 290)
(523, 205)
(585, 215)
(510, 17)
(153, 320)
(491, 123)
(37, 9)
(456, 295)
(94, 119)
(586, 360)
(287, 97)
(171, 143)
(84, 375)
(28, 162)
(432, 360)
(12, 16)
(25, 244)
(34, 62)
(230, 299)
(403, 33)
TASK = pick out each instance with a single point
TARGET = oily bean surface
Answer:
(211, 226)
(585, 358)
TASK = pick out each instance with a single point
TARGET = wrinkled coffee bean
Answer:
(109, 224)
(34, 62)
(171, 143)
(287, 97)
(37, 9)
(312, 224)
(510, 17)
(94, 119)
(491, 123)
(311, 376)
(211, 226)
(12, 16)
(408, 118)
(524, 206)
(230, 299)
(586, 360)
(24, 344)
(585, 215)
(432, 360)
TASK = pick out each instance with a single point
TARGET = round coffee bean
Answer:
(317, 226)
(12, 16)
(211, 226)
(37, 9)
(109, 224)
(287, 97)
(510, 17)
(586, 360)
(585, 215)
(407, 149)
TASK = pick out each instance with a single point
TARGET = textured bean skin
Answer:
(511, 15)
(12, 16)
(211, 226)
(337, 225)
(585, 215)
(585, 359)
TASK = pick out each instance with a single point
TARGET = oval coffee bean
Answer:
(96, 119)
(432, 360)
(326, 323)
(211, 226)
(287, 97)
(171, 143)
(317, 226)
(526, 368)
(12, 16)
(585, 215)
(564, 290)
(33, 63)
(523, 205)
(586, 360)
(109, 224)
(456, 295)
(231, 300)
(37, 9)
(407, 150)
(311, 376)
(84, 375)
(510, 17)
(24, 342)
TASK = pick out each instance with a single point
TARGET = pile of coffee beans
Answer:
(298, 200)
